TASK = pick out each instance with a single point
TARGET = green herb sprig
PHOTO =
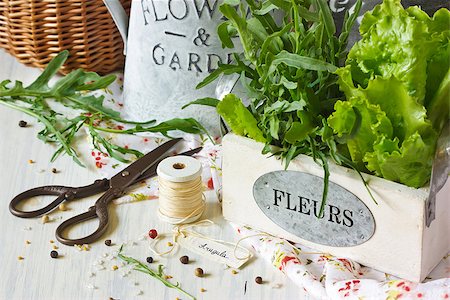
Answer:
(74, 91)
(159, 274)
(288, 70)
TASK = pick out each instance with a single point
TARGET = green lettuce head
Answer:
(396, 81)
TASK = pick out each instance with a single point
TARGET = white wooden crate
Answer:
(402, 244)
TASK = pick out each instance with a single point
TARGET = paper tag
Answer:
(215, 251)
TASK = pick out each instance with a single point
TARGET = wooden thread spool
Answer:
(181, 198)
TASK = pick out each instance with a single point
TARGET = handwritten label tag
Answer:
(215, 251)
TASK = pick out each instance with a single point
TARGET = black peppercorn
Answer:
(184, 259)
(258, 280)
(22, 123)
(149, 259)
(54, 254)
(108, 243)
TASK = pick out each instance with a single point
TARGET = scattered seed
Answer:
(45, 219)
(153, 233)
(99, 262)
(55, 247)
(108, 243)
(62, 207)
(84, 247)
(258, 280)
(202, 290)
(30, 161)
(168, 277)
(23, 123)
(52, 241)
(149, 259)
(54, 171)
(54, 254)
(234, 272)
(140, 292)
(20, 257)
(115, 267)
(27, 242)
(169, 244)
(184, 259)
(199, 272)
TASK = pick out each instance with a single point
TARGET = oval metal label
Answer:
(292, 200)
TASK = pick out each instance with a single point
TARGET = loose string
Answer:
(183, 231)
(272, 236)
(181, 201)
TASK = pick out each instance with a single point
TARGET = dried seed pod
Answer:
(199, 272)
(45, 219)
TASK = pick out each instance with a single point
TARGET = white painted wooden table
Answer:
(38, 276)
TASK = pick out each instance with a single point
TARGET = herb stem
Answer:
(159, 275)
(48, 125)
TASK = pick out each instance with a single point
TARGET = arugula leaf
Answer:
(288, 70)
(203, 101)
(159, 274)
(73, 91)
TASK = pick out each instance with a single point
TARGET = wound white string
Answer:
(181, 198)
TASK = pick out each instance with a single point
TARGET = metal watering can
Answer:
(171, 46)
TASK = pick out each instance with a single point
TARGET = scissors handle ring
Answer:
(100, 211)
(62, 192)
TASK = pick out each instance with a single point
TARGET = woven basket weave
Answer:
(35, 31)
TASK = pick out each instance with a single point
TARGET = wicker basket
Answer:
(34, 31)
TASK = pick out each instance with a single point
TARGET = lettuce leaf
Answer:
(396, 81)
(240, 119)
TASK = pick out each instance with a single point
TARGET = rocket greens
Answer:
(73, 91)
(395, 83)
(288, 72)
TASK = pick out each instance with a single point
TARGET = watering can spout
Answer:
(120, 17)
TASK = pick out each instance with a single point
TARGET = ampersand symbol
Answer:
(201, 38)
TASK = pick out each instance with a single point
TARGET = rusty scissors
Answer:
(113, 188)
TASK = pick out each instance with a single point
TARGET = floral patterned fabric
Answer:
(321, 275)
(324, 276)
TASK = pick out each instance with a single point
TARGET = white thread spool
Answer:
(181, 197)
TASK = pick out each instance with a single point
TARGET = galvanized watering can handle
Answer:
(120, 17)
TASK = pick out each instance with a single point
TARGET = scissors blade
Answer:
(129, 175)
